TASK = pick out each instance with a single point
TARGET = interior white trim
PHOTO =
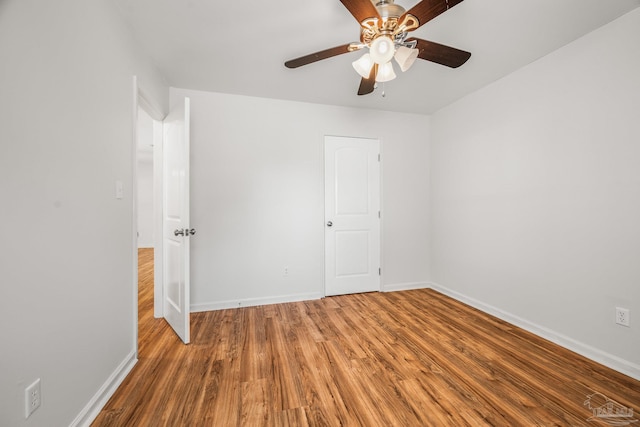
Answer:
(136, 96)
(405, 286)
(252, 302)
(149, 106)
(158, 262)
(614, 362)
(100, 399)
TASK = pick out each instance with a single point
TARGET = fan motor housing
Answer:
(388, 9)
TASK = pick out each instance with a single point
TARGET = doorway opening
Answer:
(145, 208)
(161, 166)
(148, 213)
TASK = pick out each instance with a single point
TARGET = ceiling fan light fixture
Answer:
(384, 31)
(363, 65)
(382, 50)
(405, 57)
(385, 73)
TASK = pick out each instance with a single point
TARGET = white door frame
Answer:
(158, 174)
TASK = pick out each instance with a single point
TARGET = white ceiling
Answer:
(239, 47)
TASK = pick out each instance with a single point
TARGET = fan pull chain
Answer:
(383, 92)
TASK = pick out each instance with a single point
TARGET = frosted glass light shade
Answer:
(382, 50)
(363, 65)
(385, 72)
(405, 57)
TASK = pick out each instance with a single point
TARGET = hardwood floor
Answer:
(411, 358)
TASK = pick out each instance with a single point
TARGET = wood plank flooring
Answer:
(411, 358)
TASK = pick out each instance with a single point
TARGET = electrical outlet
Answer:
(32, 398)
(622, 316)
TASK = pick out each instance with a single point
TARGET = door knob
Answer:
(191, 232)
(179, 232)
(329, 224)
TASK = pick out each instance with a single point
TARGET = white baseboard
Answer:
(614, 362)
(252, 302)
(95, 405)
(405, 286)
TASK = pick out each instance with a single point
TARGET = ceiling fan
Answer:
(384, 28)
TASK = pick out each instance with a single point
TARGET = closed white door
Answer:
(352, 215)
(176, 232)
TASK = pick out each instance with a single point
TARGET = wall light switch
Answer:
(119, 190)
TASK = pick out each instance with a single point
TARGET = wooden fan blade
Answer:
(426, 10)
(314, 57)
(361, 9)
(369, 84)
(440, 54)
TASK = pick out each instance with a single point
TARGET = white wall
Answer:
(66, 310)
(536, 195)
(257, 196)
(145, 203)
(144, 172)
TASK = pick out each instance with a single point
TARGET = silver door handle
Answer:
(184, 232)
(329, 224)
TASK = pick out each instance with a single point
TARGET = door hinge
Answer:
(378, 214)
(379, 272)
(378, 157)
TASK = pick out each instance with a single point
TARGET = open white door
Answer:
(176, 232)
(352, 215)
